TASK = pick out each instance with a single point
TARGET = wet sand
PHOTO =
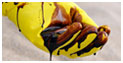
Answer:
(16, 47)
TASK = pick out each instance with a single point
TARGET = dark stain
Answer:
(21, 6)
(97, 42)
(94, 53)
(15, 3)
(42, 14)
(50, 38)
(56, 36)
(58, 53)
(50, 4)
(75, 15)
(60, 17)
(72, 13)
(81, 36)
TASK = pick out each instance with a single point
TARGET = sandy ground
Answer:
(16, 47)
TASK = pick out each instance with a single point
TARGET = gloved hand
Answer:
(64, 26)
(61, 28)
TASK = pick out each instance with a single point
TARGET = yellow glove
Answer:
(60, 28)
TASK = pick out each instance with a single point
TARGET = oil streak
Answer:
(18, 8)
(50, 39)
(79, 41)
(50, 56)
(42, 14)
(17, 19)
(97, 42)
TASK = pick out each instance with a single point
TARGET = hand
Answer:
(63, 27)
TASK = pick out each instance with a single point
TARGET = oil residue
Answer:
(50, 56)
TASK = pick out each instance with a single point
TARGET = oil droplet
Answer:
(19, 30)
(50, 56)
(94, 53)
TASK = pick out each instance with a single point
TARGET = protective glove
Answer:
(60, 28)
